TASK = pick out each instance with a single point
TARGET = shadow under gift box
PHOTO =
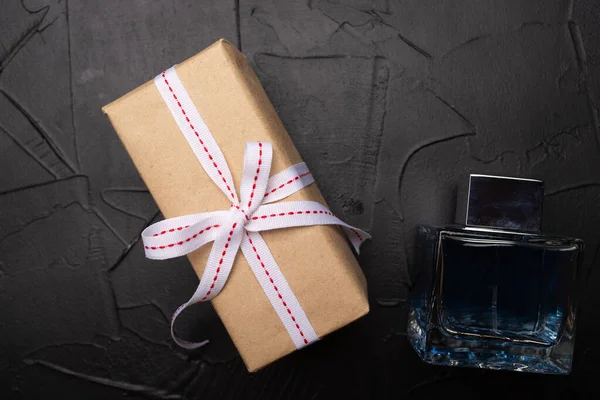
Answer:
(317, 261)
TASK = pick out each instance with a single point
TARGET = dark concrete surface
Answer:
(389, 102)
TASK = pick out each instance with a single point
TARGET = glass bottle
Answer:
(495, 293)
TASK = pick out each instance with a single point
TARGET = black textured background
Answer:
(389, 102)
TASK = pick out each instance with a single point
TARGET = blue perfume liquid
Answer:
(495, 300)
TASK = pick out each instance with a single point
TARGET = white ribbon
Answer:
(239, 226)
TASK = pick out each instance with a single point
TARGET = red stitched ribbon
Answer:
(239, 226)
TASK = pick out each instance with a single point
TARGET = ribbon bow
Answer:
(240, 225)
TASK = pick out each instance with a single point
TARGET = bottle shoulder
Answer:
(461, 231)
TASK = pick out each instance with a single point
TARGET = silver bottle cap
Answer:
(500, 202)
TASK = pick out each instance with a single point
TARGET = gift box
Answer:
(316, 261)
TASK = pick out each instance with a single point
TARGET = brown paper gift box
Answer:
(316, 261)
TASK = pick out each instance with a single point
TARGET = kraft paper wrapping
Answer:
(317, 261)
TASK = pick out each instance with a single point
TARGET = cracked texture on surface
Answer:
(389, 102)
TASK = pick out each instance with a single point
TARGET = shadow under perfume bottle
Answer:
(495, 293)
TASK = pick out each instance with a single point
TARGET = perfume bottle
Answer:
(493, 292)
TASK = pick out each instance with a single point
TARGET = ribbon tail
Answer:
(193, 300)
(215, 274)
(302, 213)
(356, 236)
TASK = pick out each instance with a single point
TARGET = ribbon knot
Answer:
(237, 212)
(239, 226)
